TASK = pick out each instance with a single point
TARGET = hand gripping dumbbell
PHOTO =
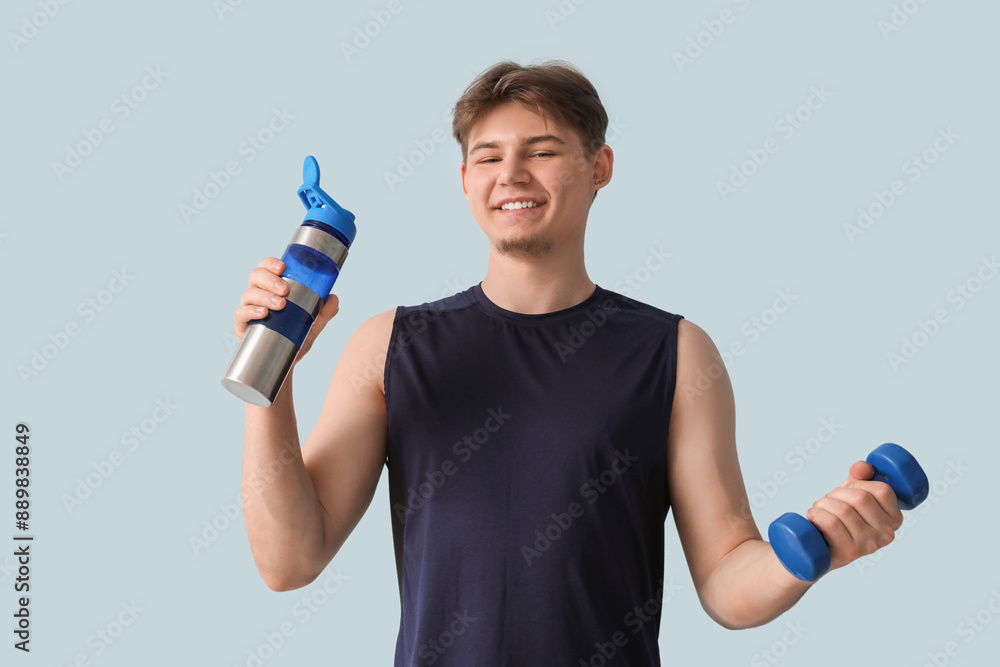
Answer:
(800, 546)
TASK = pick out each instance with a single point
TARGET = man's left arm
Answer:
(739, 580)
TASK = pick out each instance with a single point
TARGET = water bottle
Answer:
(313, 261)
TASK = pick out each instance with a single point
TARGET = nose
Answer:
(514, 172)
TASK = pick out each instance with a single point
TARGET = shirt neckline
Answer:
(533, 318)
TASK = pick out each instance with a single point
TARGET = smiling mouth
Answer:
(517, 205)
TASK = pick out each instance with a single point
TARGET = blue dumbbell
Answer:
(800, 546)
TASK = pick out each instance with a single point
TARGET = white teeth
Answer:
(519, 204)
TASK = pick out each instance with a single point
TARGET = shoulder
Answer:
(694, 342)
(702, 378)
(368, 348)
(375, 328)
(364, 356)
(457, 301)
(615, 303)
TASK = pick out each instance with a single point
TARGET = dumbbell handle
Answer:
(800, 546)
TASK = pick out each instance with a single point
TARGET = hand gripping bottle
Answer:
(313, 261)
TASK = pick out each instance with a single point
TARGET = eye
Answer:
(542, 154)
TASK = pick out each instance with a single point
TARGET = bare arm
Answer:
(739, 580)
(301, 503)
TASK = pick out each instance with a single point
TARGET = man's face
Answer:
(528, 182)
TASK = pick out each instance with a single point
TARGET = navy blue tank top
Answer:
(527, 480)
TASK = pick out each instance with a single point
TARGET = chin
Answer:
(523, 246)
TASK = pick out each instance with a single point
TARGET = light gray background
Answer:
(168, 334)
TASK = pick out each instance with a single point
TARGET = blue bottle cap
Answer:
(321, 206)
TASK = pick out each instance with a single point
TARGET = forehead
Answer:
(512, 123)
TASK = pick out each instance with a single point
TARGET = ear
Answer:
(604, 163)
(465, 190)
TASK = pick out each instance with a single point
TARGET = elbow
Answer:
(731, 621)
(735, 624)
(734, 613)
(743, 614)
(285, 576)
(282, 582)
(289, 571)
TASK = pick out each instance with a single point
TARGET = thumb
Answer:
(325, 314)
(328, 310)
(860, 471)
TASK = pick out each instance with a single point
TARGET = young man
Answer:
(534, 427)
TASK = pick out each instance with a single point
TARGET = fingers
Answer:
(857, 518)
(856, 521)
(272, 264)
(267, 276)
(266, 291)
(860, 477)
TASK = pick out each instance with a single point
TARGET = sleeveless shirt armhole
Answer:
(388, 357)
(672, 380)
(673, 371)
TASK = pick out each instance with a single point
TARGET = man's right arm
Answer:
(301, 503)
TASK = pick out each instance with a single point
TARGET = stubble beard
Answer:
(523, 246)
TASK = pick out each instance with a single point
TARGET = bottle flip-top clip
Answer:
(320, 206)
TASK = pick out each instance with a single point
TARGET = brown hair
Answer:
(552, 89)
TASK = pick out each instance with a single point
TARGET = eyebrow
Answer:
(528, 141)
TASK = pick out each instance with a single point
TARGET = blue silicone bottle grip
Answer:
(292, 322)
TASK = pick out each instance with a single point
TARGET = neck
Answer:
(534, 285)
